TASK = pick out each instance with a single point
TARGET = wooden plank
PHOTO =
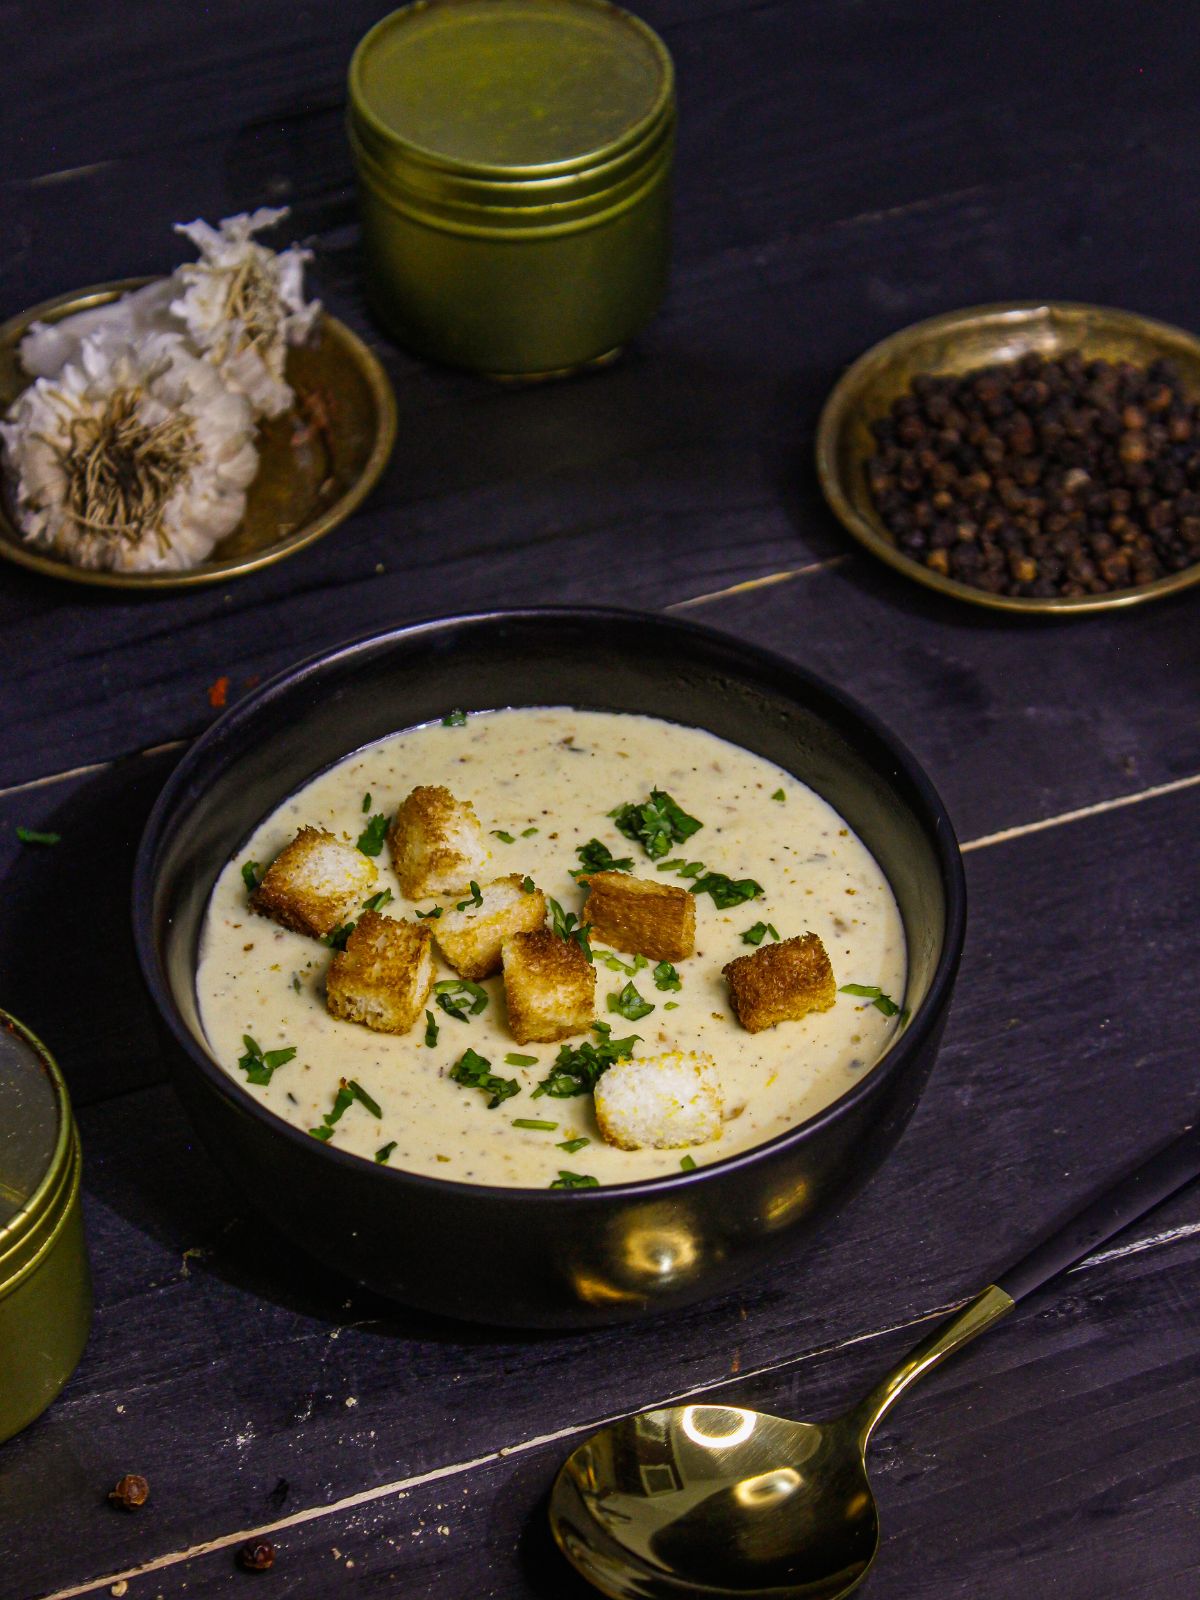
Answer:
(1061, 1065)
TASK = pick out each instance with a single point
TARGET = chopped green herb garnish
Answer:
(321, 1133)
(258, 1065)
(759, 932)
(666, 977)
(535, 1124)
(250, 871)
(873, 993)
(384, 1151)
(504, 838)
(604, 1028)
(342, 1101)
(377, 900)
(577, 1068)
(431, 1030)
(687, 1163)
(455, 719)
(471, 1070)
(32, 836)
(725, 891)
(475, 898)
(595, 856)
(568, 926)
(673, 865)
(630, 1003)
(453, 993)
(370, 840)
(337, 939)
(615, 964)
(691, 869)
(574, 1180)
(363, 1098)
(571, 1145)
(528, 885)
(779, 795)
(296, 982)
(436, 912)
(657, 823)
(670, 1005)
(366, 805)
(528, 833)
(513, 1059)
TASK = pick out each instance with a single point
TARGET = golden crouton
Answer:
(550, 987)
(383, 976)
(436, 842)
(314, 884)
(470, 939)
(662, 1101)
(781, 983)
(639, 915)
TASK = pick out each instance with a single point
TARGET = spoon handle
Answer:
(1123, 1202)
(1129, 1198)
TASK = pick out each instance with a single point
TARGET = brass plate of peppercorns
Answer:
(1030, 456)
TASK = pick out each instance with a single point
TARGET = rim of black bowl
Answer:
(942, 839)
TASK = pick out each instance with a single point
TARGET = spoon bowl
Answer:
(696, 1500)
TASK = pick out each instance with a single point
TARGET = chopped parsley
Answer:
(577, 1068)
(670, 1005)
(725, 891)
(471, 1070)
(657, 823)
(571, 1145)
(615, 964)
(384, 1151)
(536, 1124)
(873, 993)
(366, 805)
(666, 977)
(504, 838)
(568, 926)
(250, 875)
(779, 795)
(342, 1100)
(377, 900)
(513, 1059)
(455, 719)
(453, 994)
(528, 833)
(687, 1163)
(574, 1180)
(431, 1030)
(528, 884)
(336, 940)
(363, 1098)
(595, 856)
(475, 898)
(321, 1133)
(370, 840)
(32, 836)
(630, 1003)
(258, 1065)
(759, 932)
(436, 912)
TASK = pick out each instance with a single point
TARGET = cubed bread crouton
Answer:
(470, 939)
(781, 982)
(436, 842)
(383, 976)
(639, 915)
(663, 1101)
(314, 884)
(550, 987)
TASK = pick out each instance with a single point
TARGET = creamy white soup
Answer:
(547, 779)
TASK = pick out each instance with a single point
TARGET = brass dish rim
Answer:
(870, 532)
(208, 572)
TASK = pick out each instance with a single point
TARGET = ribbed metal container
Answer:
(514, 167)
(45, 1288)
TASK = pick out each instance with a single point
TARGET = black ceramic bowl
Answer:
(528, 1257)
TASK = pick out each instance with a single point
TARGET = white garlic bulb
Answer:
(133, 457)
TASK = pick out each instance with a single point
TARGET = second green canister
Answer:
(514, 166)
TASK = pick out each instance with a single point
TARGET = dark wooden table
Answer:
(843, 169)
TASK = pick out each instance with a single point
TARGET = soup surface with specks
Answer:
(561, 772)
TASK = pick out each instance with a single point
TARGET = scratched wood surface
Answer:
(843, 169)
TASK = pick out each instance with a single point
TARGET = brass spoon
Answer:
(715, 1500)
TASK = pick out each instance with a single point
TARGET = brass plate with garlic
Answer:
(318, 461)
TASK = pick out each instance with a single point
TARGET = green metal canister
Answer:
(514, 169)
(45, 1289)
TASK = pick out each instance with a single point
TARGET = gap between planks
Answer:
(400, 1486)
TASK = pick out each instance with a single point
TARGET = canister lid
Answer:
(31, 1121)
(505, 87)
